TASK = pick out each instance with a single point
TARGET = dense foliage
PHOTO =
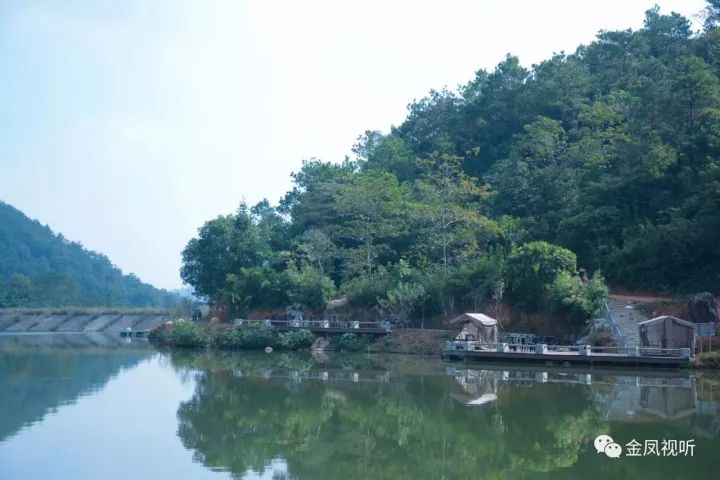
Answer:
(186, 333)
(39, 268)
(606, 159)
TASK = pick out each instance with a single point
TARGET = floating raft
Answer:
(569, 354)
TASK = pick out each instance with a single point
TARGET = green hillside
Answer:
(39, 268)
(607, 159)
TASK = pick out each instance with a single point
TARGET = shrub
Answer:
(160, 335)
(575, 300)
(185, 333)
(225, 338)
(531, 270)
(400, 301)
(310, 287)
(257, 338)
(353, 343)
(707, 360)
(364, 290)
(295, 340)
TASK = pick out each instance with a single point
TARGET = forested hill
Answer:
(612, 152)
(607, 159)
(39, 268)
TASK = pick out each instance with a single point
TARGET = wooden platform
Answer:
(571, 355)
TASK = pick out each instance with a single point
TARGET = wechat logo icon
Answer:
(605, 444)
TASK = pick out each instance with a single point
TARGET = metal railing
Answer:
(541, 349)
(329, 325)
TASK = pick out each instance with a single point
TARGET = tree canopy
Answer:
(607, 159)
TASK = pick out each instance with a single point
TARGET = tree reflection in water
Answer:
(363, 421)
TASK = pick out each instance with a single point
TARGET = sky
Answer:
(129, 123)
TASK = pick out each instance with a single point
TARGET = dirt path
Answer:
(639, 297)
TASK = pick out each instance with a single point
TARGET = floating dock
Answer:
(569, 354)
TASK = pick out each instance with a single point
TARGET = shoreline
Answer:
(417, 342)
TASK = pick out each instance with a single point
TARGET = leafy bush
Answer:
(480, 281)
(575, 300)
(160, 335)
(531, 270)
(297, 339)
(310, 287)
(707, 360)
(257, 338)
(363, 291)
(353, 343)
(185, 333)
(400, 301)
(225, 338)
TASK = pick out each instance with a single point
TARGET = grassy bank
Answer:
(186, 334)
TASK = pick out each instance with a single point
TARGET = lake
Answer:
(93, 407)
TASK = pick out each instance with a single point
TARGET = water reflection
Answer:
(620, 396)
(339, 416)
(393, 418)
(40, 373)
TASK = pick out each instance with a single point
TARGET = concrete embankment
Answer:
(108, 321)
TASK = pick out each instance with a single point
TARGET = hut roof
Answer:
(662, 318)
(477, 319)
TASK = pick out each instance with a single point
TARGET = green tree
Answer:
(319, 248)
(309, 287)
(369, 208)
(448, 204)
(209, 258)
(400, 301)
(575, 300)
(531, 270)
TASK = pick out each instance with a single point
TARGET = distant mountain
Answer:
(39, 268)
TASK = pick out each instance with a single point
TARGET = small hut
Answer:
(476, 327)
(667, 332)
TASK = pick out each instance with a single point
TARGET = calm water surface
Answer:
(83, 407)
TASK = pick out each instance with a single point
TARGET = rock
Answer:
(703, 308)
(338, 302)
(320, 343)
(214, 321)
(268, 349)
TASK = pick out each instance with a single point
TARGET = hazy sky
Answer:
(127, 124)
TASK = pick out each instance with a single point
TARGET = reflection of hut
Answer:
(639, 399)
(476, 327)
(667, 332)
(477, 387)
(667, 402)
